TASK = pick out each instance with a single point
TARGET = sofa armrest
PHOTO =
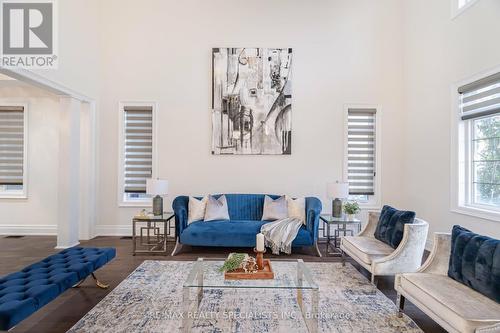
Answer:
(313, 211)
(495, 328)
(180, 206)
(371, 225)
(439, 258)
(407, 257)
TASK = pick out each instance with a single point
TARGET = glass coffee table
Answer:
(288, 275)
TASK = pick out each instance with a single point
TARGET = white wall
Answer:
(38, 213)
(344, 52)
(438, 52)
(79, 45)
(401, 55)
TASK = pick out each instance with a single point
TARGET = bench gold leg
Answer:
(99, 283)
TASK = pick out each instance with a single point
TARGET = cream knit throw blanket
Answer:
(280, 234)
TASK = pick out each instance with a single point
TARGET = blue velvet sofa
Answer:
(245, 212)
(24, 292)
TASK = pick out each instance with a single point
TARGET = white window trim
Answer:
(146, 202)
(455, 11)
(24, 193)
(460, 148)
(374, 201)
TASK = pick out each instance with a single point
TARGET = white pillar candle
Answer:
(260, 243)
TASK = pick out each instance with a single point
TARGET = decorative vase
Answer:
(351, 217)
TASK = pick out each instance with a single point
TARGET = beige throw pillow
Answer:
(196, 209)
(297, 208)
(217, 209)
(274, 209)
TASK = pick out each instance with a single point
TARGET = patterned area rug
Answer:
(150, 300)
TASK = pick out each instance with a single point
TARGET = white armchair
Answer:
(453, 305)
(381, 259)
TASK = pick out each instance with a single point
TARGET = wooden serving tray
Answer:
(264, 274)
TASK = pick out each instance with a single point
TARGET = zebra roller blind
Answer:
(11, 145)
(361, 151)
(480, 98)
(138, 147)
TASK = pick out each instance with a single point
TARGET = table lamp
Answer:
(157, 188)
(337, 191)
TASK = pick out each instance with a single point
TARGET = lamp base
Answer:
(157, 205)
(337, 208)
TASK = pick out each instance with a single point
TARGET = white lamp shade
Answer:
(156, 186)
(337, 190)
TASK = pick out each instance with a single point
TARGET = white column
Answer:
(87, 171)
(69, 173)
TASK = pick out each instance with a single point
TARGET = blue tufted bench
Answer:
(24, 292)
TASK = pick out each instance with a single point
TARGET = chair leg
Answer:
(342, 257)
(400, 303)
(318, 252)
(177, 248)
(99, 283)
(374, 280)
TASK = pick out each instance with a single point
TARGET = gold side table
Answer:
(150, 234)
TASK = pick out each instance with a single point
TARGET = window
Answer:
(362, 154)
(459, 6)
(137, 152)
(13, 129)
(479, 128)
(486, 161)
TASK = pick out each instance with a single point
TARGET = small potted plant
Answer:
(351, 209)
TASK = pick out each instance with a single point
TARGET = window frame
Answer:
(19, 194)
(122, 200)
(461, 174)
(456, 10)
(374, 201)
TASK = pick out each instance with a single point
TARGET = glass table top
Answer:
(288, 274)
(153, 218)
(343, 219)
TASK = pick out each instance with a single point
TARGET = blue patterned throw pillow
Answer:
(475, 262)
(391, 224)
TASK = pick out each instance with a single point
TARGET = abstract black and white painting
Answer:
(251, 101)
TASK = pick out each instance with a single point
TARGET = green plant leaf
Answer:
(233, 262)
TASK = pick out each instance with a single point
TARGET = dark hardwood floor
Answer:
(68, 308)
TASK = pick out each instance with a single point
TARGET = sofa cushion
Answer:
(475, 262)
(390, 225)
(240, 233)
(366, 248)
(453, 302)
(297, 208)
(216, 209)
(196, 209)
(274, 209)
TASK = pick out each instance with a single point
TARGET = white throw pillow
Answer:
(216, 209)
(196, 209)
(274, 209)
(297, 208)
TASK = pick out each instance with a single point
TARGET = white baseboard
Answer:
(51, 230)
(62, 247)
(28, 230)
(113, 230)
